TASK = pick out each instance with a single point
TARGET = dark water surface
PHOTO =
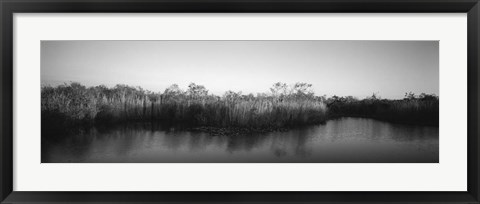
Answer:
(338, 141)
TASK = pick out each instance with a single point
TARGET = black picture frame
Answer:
(9, 7)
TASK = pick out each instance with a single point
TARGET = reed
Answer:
(72, 104)
(75, 103)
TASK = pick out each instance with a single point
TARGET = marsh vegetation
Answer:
(413, 109)
(283, 107)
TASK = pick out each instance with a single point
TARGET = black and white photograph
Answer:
(239, 101)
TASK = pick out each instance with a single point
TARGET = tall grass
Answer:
(285, 106)
(74, 103)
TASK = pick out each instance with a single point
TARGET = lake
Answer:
(343, 140)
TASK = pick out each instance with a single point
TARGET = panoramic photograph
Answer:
(287, 101)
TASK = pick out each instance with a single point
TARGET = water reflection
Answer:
(342, 140)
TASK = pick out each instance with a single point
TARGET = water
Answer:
(338, 141)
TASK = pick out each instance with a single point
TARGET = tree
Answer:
(409, 96)
(173, 90)
(302, 89)
(279, 89)
(428, 97)
(232, 95)
(195, 90)
(374, 97)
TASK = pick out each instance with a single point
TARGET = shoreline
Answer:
(212, 130)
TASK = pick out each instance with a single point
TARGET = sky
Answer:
(343, 68)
